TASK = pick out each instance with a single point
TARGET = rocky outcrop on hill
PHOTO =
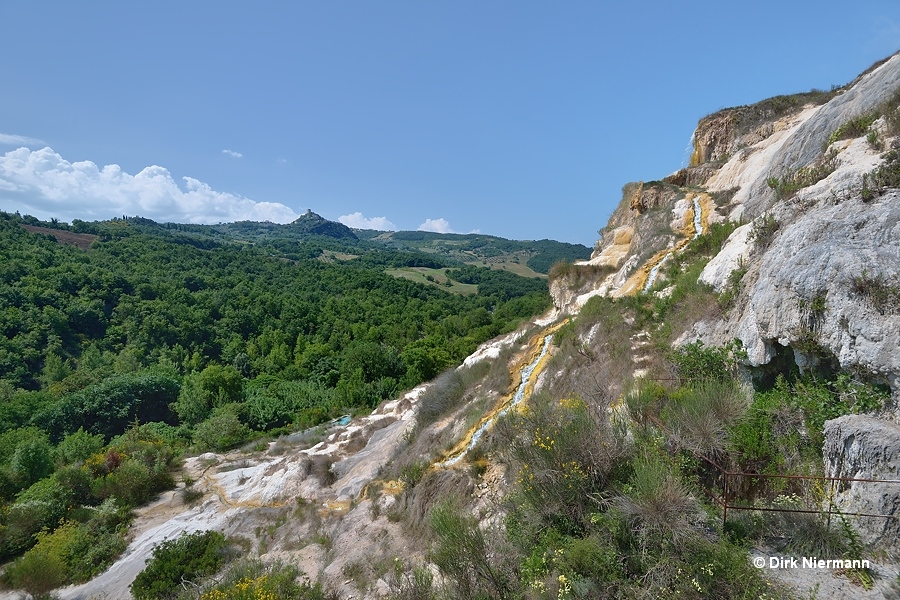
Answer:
(803, 135)
(806, 266)
(804, 289)
(861, 447)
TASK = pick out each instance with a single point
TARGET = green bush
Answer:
(463, 557)
(763, 230)
(31, 461)
(40, 570)
(222, 430)
(854, 128)
(78, 447)
(697, 361)
(566, 453)
(83, 550)
(770, 432)
(790, 183)
(189, 557)
(41, 507)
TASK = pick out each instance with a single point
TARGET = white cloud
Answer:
(436, 225)
(232, 153)
(18, 140)
(44, 184)
(358, 221)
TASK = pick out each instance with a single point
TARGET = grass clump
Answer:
(699, 416)
(787, 186)
(578, 275)
(880, 291)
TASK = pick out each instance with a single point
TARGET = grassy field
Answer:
(513, 263)
(435, 277)
(331, 255)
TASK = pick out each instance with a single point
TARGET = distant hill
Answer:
(312, 224)
(313, 235)
(525, 257)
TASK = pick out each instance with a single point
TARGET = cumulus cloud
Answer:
(358, 221)
(18, 140)
(44, 184)
(436, 226)
(232, 153)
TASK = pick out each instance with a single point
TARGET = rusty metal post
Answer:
(724, 498)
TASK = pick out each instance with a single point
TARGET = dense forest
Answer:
(126, 342)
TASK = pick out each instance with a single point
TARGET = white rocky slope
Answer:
(827, 234)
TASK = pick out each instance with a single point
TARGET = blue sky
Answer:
(521, 119)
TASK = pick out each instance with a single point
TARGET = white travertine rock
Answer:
(862, 447)
(734, 253)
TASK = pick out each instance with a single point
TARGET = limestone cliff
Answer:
(826, 233)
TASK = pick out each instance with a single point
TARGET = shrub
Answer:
(131, 484)
(42, 506)
(37, 572)
(696, 361)
(854, 128)
(186, 558)
(253, 579)
(790, 183)
(31, 461)
(886, 175)
(78, 446)
(82, 550)
(412, 473)
(567, 453)
(462, 555)
(768, 436)
(821, 401)
(221, 430)
(763, 230)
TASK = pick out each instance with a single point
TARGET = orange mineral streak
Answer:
(532, 351)
(634, 284)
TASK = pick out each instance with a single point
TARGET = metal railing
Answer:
(723, 499)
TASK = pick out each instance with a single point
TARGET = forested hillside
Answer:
(149, 339)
